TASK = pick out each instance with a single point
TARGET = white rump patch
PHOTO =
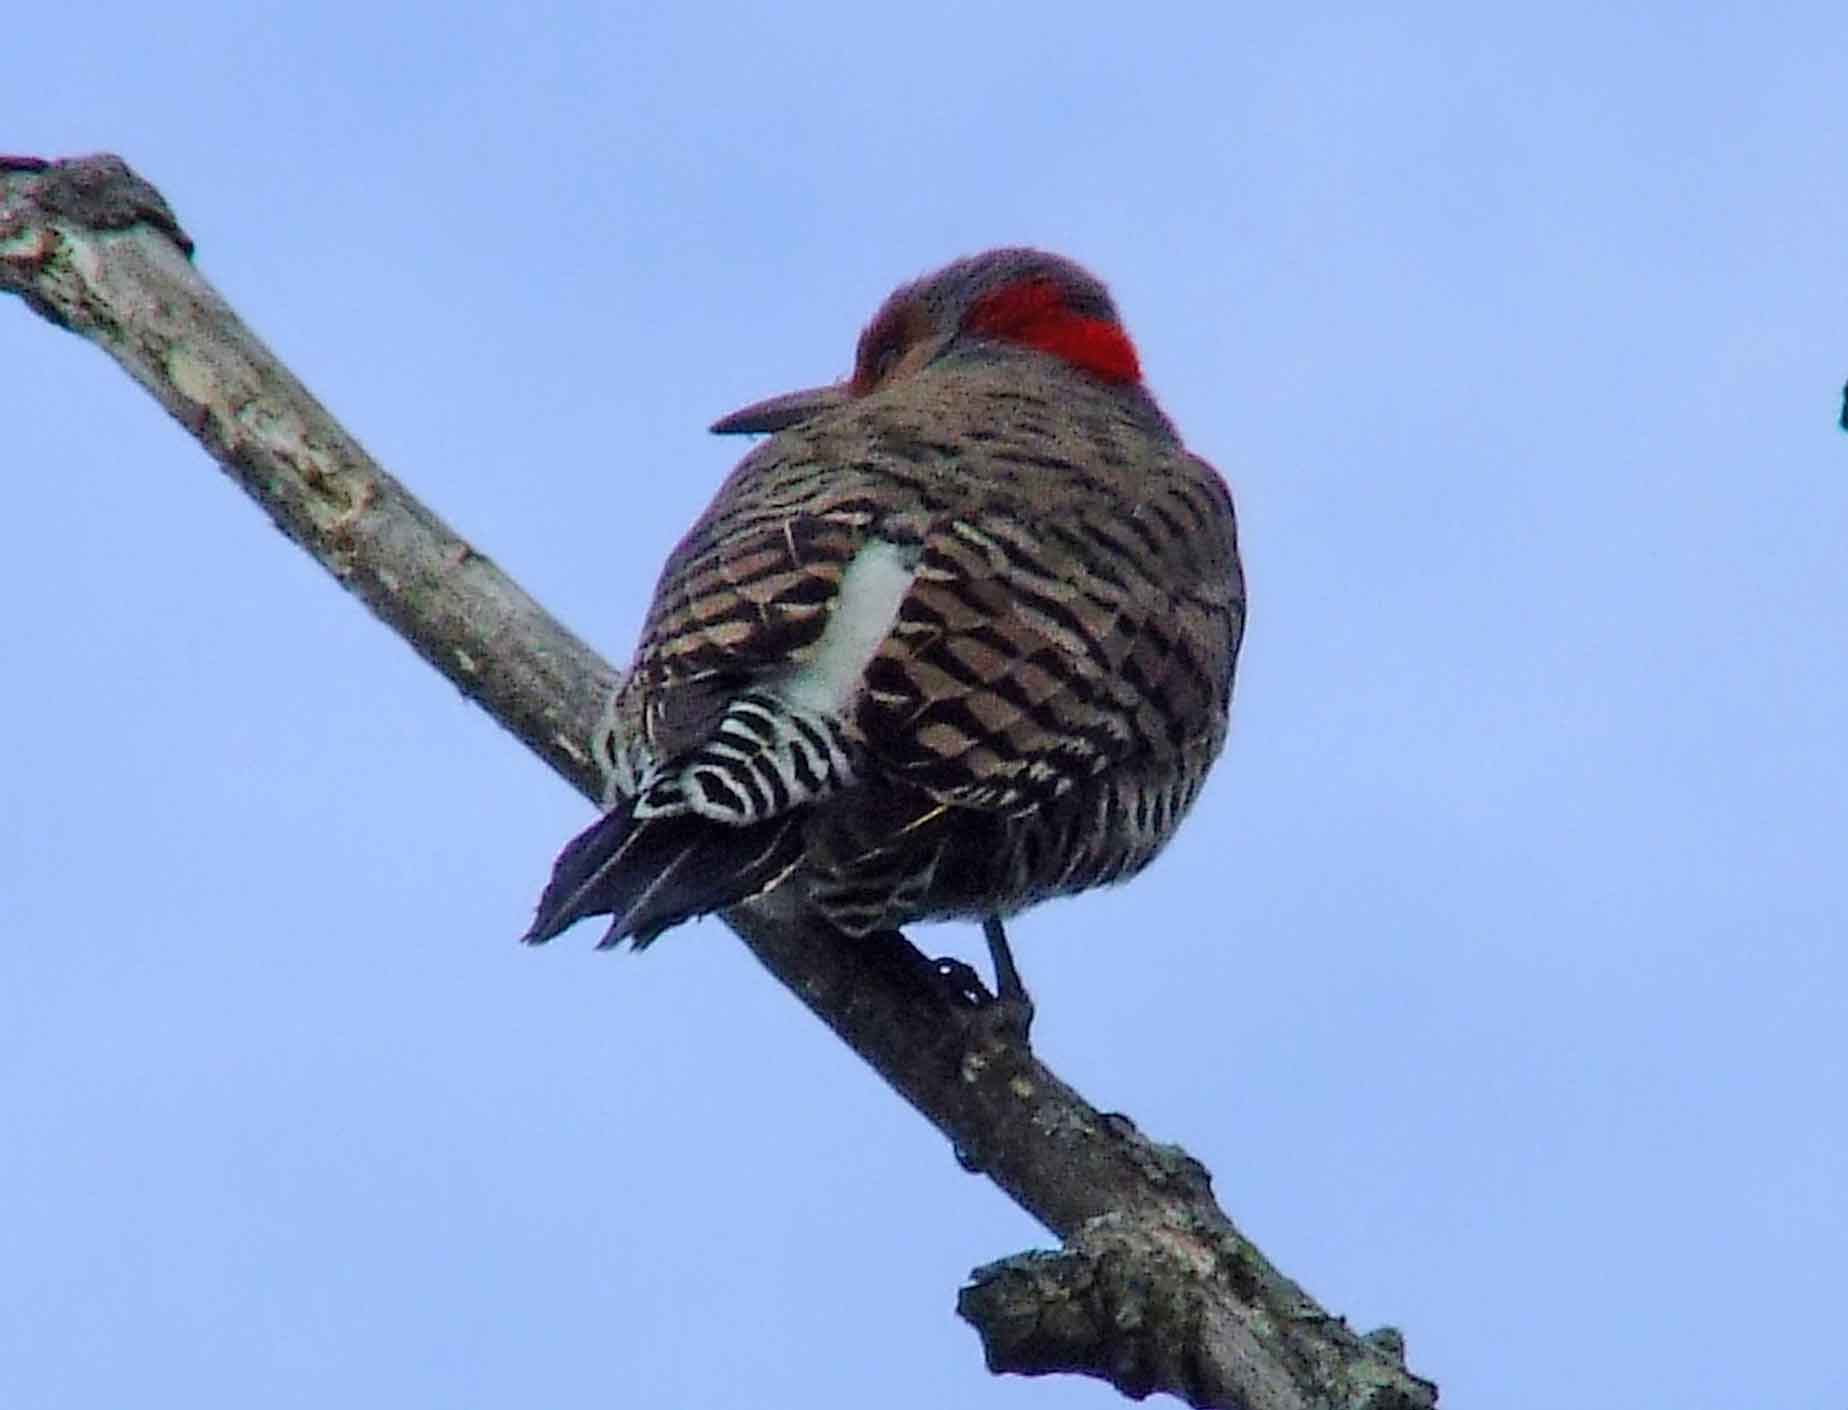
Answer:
(864, 613)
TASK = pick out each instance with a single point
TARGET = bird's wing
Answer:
(743, 605)
(1042, 645)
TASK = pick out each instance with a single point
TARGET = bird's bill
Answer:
(780, 413)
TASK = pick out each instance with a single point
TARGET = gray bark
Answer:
(1154, 1288)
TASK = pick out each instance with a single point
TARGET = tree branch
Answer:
(1154, 1288)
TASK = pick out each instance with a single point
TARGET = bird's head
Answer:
(1026, 298)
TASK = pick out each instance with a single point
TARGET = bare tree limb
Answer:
(1154, 1290)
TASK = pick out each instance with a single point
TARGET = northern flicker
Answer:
(958, 638)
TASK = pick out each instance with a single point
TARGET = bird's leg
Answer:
(1010, 993)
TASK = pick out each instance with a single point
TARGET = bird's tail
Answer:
(651, 874)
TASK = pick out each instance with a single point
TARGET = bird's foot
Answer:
(948, 983)
(1004, 1020)
(958, 984)
(1004, 1016)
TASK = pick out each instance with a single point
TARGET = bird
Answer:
(958, 638)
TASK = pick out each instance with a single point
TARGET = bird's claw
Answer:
(959, 984)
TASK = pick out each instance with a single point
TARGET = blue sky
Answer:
(1498, 976)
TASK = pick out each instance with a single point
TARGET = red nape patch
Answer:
(1033, 313)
